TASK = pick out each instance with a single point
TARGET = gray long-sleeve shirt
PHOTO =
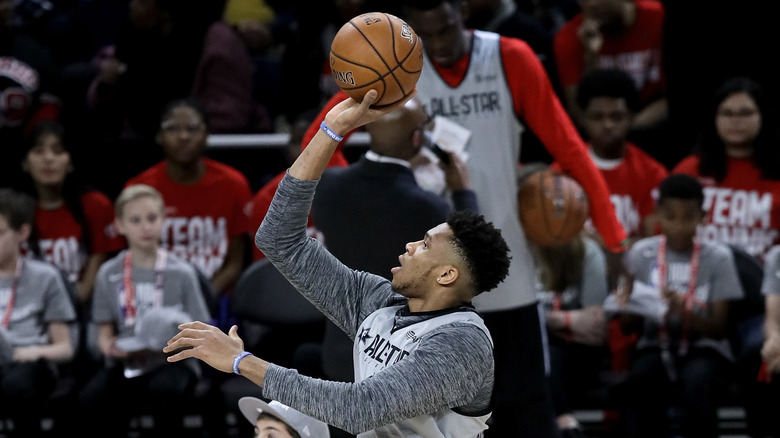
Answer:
(451, 369)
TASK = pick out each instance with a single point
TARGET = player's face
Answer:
(47, 161)
(607, 123)
(678, 220)
(141, 222)
(183, 135)
(738, 121)
(270, 428)
(418, 265)
(10, 241)
(602, 11)
(442, 32)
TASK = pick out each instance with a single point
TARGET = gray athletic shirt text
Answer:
(451, 369)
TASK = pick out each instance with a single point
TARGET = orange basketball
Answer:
(377, 51)
(553, 208)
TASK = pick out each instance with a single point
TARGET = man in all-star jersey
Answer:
(496, 86)
(423, 357)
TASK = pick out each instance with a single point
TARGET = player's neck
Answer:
(186, 173)
(49, 196)
(8, 266)
(741, 151)
(143, 257)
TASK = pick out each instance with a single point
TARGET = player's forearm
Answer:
(254, 369)
(314, 159)
(772, 320)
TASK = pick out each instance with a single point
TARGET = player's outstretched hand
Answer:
(207, 343)
(350, 114)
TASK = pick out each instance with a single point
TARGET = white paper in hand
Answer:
(645, 300)
(451, 136)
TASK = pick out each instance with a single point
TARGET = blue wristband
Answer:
(237, 360)
(330, 132)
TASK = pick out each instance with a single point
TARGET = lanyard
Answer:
(14, 284)
(129, 287)
(689, 298)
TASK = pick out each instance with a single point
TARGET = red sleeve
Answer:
(537, 103)
(568, 53)
(688, 165)
(338, 158)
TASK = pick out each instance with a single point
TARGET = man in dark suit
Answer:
(378, 195)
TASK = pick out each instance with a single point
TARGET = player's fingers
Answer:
(181, 355)
(182, 342)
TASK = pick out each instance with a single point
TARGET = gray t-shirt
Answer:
(451, 369)
(771, 282)
(717, 279)
(41, 298)
(593, 288)
(180, 289)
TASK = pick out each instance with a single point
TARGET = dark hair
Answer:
(18, 208)
(293, 433)
(482, 246)
(680, 186)
(607, 82)
(189, 102)
(73, 189)
(710, 147)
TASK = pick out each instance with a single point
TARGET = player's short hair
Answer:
(482, 247)
(133, 192)
(607, 82)
(187, 102)
(680, 186)
(18, 208)
(293, 433)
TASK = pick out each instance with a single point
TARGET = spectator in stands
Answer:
(37, 311)
(608, 100)
(571, 284)
(152, 61)
(624, 34)
(141, 295)
(74, 222)
(273, 419)
(762, 421)
(736, 160)
(224, 83)
(28, 91)
(682, 354)
(208, 202)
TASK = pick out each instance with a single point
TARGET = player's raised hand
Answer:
(207, 343)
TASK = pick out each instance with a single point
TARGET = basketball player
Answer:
(496, 86)
(423, 357)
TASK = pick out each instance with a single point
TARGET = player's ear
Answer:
(448, 274)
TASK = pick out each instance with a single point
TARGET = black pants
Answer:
(574, 370)
(522, 405)
(115, 399)
(24, 388)
(650, 394)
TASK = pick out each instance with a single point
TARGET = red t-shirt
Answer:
(743, 209)
(202, 217)
(60, 235)
(638, 51)
(632, 184)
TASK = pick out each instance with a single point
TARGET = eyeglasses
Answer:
(171, 127)
(742, 114)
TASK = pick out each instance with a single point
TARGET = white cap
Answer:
(306, 426)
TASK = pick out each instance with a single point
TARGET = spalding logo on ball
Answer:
(376, 51)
